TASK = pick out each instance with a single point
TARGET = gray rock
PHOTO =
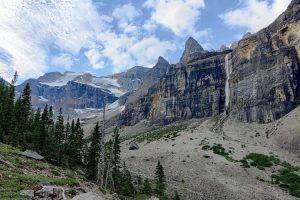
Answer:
(88, 196)
(257, 81)
(32, 154)
(50, 192)
(191, 51)
(133, 147)
(28, 193)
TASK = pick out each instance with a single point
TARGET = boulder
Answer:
(49, 192)
(133, 147)
(28, 193)
(33, 155)
(88, 196)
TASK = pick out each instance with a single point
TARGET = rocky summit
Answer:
(73, 91)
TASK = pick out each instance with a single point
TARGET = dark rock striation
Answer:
(257, 81)
(264, 78)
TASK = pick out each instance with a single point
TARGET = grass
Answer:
(166, 133)
(28, 173)
(287, 176)
(219, 150)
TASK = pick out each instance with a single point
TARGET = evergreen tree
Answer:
(127, 186)
(59, 132)
(115, 160)
(44, 131)
(36, 126)
(15, 139)
(147, 189)
(8, 114)
(116, 149)
(93, 153)
(176, 197)
(160, 179)
(25, 114)
(78, 142)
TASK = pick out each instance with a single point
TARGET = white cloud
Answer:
(255, 14)
(95, 59)
(63, 60)
(180, 16)
(149, 49)
(125, 51)
(127, 11)
(126, 16)
(28, 28)
(6, 72)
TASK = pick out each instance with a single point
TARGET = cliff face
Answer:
(71, 96)
(194, 88)
(263, 71)
(72, 90)
(257, 81)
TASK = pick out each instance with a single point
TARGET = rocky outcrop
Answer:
(196, 89)
(32, 154)
(257, 81)
(132, 78)
(72, 90)
(152, 77)
(71, 96)
(264, 71)
(192, 50)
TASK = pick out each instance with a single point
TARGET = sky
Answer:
(110, 36)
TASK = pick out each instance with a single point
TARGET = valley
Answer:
(217, 124)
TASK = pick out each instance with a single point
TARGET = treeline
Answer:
(62, 142)
(22, 127)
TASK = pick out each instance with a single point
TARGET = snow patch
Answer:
(41, 98)
(113, 105)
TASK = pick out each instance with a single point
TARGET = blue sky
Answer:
(110, 36)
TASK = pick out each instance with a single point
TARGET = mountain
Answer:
(152, 76)
(257, 81)
(73, 91)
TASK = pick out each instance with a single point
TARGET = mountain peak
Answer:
(191, 47)
(162, 60)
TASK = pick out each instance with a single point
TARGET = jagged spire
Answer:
(161, 60)
(191, 46)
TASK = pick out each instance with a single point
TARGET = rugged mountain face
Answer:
(132, 78)
(192, 51)
(196, 89)
(152, 77)
(257, 81)
(263, 71)
(72, 91)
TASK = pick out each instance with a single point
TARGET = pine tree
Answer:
(15, 139)
(36, 126)
(59, 131)
(43, 131)
(116, 149)
(127, 186)
(78, 142)
(93, 153)
(160, 179)
(176, 197)
(25, 114)
(147, 189)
